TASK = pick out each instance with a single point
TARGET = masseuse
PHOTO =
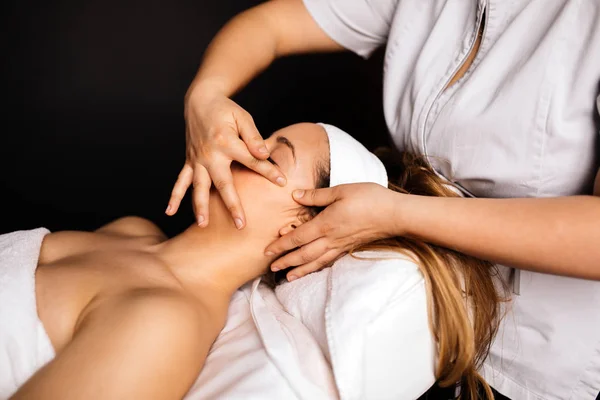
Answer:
(500, 96)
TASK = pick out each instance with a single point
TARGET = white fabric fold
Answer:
(291, 347)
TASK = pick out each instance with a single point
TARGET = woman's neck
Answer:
(216, 258)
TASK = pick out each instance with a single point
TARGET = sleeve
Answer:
(358, 25)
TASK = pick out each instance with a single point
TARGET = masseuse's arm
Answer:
(147, 346)
(219, 131)
(551, 235)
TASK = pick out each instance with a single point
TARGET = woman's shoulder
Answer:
(156, 336)
(158, 304)
(156, 313)
(163, 300)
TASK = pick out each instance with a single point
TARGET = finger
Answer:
(250, 135)
(305, 233)
(322, 262)
(201, 194)
(303, 255)
(265, 168)
(223, 181)
(181, 185)
(316, 197)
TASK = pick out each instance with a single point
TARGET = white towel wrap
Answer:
(24, 344)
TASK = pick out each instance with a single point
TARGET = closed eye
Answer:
(271, 161)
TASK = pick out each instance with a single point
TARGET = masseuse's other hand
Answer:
(355, 214)
(218, 132)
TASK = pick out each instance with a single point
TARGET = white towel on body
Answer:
(24, 344)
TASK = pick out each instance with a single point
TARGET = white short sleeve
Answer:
(358, 25)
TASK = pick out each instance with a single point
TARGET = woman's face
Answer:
(297, 150)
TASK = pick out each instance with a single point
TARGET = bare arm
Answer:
(554, 235)
(147, 346)
(252, 40)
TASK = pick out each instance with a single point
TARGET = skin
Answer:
(558, 236)
(124, 306)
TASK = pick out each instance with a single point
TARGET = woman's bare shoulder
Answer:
(158, 314)
(149, 304)
(156, 336)
(133, 226)
(160, 304)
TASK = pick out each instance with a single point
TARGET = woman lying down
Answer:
(124, 312)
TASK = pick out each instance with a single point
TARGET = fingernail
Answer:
(239, 223)
(292, 278)
(200, 219)
(280, 181)
(263, 150)
(168, 210)
(274, 269)
(269, 253)
(298, 193)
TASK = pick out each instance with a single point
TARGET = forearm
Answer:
(252, 40)
(552, 235)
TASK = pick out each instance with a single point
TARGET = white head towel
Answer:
(350, 161)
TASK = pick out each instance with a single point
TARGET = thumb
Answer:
(316, 197)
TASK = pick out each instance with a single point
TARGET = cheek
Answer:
(262, 200)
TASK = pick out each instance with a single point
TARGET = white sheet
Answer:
(239, 365)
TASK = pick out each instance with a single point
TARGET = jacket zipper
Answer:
(447, 81)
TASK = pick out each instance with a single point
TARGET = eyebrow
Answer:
(285, 141)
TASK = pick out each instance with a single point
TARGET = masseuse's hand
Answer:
(218, 132)
(355, 214)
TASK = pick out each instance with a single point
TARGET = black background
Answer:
(92, 115)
